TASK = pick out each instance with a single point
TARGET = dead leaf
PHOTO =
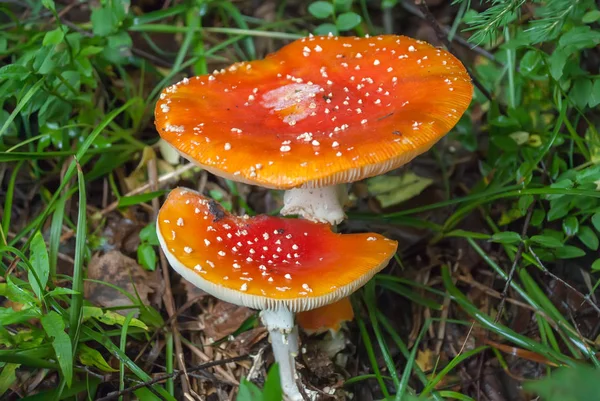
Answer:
(243, 343)
(123, 272)
(139, 176)
(192, 292)
(391, 190)
(425, 360)
(168, 152)
(224, 319)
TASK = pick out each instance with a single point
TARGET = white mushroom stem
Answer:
(324, 205)
(284, 340)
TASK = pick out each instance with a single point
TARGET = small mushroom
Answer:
(326, 318)
(279, 266)
(321, 112)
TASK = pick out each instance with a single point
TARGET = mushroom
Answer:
(320, 112)
(279, 266)
(326, 318)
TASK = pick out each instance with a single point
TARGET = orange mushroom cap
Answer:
(265, 262)
(328, 317)
(321, 111)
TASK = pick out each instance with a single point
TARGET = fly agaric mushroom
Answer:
(279, 266)
(329, 317)
(321, 111)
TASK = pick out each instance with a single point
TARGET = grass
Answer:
(498, 271)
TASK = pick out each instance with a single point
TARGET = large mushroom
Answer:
(320, 112)
(279, 266)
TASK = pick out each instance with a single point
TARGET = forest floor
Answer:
(492, 294)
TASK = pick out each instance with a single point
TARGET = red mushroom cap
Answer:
(265, 262)
(328, 317)
(321, 111)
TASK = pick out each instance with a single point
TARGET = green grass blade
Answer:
(117, 353)
(448, 368)
(497, 328)
(30, 93)
(36, 223)
(80, 241)
(8, 200)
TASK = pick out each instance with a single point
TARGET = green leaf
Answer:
(596, 265)
(125, 201)
(249, 392)
(388, 4)
(569, 252)
(596, 221)
(559, 208)
(119, 48)
(568, 384)
(393, 189)
(18, 294)
(90, 51)
(40, 264)
(10, 316)
(347, 21)
(104, 21)
(272, 389)
(49, 4)
(580, 37)
(111, 318)
(60, 291)
(590, 17)
(146, 256)
(537, 218)
(326, 29)
(90, 357)
(341, 6)
(53, 37)
(588, 175)
(530, 62)
(148, 234)
(506, 237)
(546, 241)
(14, 71)
(146, 395)
(558, 60)
(54, 326)
(570, 226)
(595, 94)
(7, 377)
(580, 92)
(588, 237)
(524, 202)
(320, 9)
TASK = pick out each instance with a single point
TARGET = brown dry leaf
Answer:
(521, 353)
(191, 291)
(224, 319)
(243, 343)
(122, 271)
(139, 176)
(425, 360)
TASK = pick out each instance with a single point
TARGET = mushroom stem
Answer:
(284, 340)
(325, 204)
